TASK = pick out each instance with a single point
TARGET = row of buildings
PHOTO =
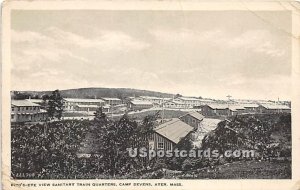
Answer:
(167, 135)
(145, 102)
(133, 103)
(238, 109)
(32, 110)
(207, 107)
(71, 104)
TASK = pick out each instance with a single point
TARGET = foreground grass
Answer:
(252, 169)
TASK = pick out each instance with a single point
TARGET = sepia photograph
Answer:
(139, 94)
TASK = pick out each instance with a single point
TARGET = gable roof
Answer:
(175, 102)
(174, 130)
(87, 106)
(20, 103)
(152, 97)
(249, 105)
(218, 106)
(236, 107)
(195, 114)
(188, 98)
(275, 106)
(83, 100)
(112, 99)
(140, 102)
(38, 101)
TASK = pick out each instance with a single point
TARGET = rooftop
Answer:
(275, 106)
(87, 106)
(249, 105)
(154, 98)
(20, 103)
(218, 106)
(36, 100)
(236, 107)
(174, 130)
(93, 106)
(139, 102)
(195, 114)
(175, 102)
(83, 100)
(189, 98)
(115, 99)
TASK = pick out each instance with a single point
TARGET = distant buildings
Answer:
(91, 108)
(191, 102)
(250, 108)
(156, 101)
(26, 111)
(80, 104)
(274, 108)
(185, 102)
(173, 104)
(206, 107)
(112, 101)
(214, 110)
(139, 105)
(238, 109)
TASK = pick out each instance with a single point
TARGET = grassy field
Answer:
(252, 169)
(244, 170)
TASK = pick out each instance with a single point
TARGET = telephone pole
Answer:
(228, 96)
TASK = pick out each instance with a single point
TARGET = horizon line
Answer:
(149, 91)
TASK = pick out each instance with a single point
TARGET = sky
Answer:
(193, 53)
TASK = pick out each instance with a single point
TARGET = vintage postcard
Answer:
(150, 95)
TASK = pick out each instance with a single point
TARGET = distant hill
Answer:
(99, 92)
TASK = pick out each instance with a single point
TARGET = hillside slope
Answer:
(101, 92)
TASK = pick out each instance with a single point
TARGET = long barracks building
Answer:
(26, 111)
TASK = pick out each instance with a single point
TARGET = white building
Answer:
(155, 100)
(71, 104)
(191, 102)
(173, 104)
(112, 101)
(139, 105)
(26, 111)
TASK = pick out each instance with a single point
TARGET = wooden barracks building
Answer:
(192, 118)
(27, 111)
(167, 135)
(139, 105)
